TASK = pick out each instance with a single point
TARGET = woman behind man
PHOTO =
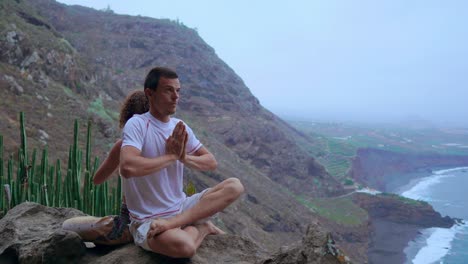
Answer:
(110, 230)
(135, 103)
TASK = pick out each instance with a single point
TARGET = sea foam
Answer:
(439, 172)
(438, 244)
(419, 191)
(439, 241)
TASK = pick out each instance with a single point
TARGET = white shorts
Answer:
(139, 230)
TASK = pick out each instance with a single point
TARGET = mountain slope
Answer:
(60, 63)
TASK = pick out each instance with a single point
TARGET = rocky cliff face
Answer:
(393, 222)
(375, 168)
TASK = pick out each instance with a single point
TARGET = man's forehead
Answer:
(166, 82)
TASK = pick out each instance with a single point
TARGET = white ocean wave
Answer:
(439, 172)
(438, 244)
(420, 190)
(452, 205)
(439, 241)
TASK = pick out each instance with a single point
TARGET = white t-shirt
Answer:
(159, 193)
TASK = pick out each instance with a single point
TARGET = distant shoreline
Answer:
(437, 241)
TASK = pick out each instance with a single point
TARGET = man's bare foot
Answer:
(214, 230)
(157, 227)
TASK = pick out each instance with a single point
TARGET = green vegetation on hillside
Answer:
(404, 199)
(68, 92)
(339, 210)
(98, 108)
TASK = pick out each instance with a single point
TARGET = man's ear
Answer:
(148, 92)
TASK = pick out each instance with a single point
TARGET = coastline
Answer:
(433, 244)
(389, 243)
(416, 244)
(393, 223)
(430, 244)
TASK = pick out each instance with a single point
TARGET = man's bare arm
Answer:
(201, 160)
(132, 164)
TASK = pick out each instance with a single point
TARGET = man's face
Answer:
(164, 99)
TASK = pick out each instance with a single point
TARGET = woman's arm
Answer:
(110, 164)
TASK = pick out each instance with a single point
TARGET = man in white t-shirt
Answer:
(155, 149)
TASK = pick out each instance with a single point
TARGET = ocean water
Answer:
(447, 191)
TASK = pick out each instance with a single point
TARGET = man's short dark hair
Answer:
(152, 79)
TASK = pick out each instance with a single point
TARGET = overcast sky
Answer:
(334, 60)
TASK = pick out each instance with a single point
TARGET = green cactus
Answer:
(31, 182)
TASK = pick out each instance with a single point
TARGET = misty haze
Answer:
(365, 61)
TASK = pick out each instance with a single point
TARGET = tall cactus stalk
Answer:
(23, 148)
(78, 181)
(18, 183)
(88, 146)
(86, 191)
(45, 195)
(8, 197)
(43, 175)
(70, 197)
(76, 169)
(9, 178)
(67, 190)
(23, 167)
(50, 195)
(2, 174)
(58, 184)
(32, 175)
(14, 194)
(87, 179)
(104, 198)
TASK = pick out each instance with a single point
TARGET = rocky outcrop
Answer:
(32, 233)
(316, 247)
(393, 222)
(398, 209)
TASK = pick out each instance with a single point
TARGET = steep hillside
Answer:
(60, 63)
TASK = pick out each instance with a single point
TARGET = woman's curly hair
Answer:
(135, 103)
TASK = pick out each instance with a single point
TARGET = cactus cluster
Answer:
(24, 178)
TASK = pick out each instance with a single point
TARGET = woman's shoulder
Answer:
(137, 121)
(140, 118)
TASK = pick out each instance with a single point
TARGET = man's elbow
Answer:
(126, 171)
(213, 165)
